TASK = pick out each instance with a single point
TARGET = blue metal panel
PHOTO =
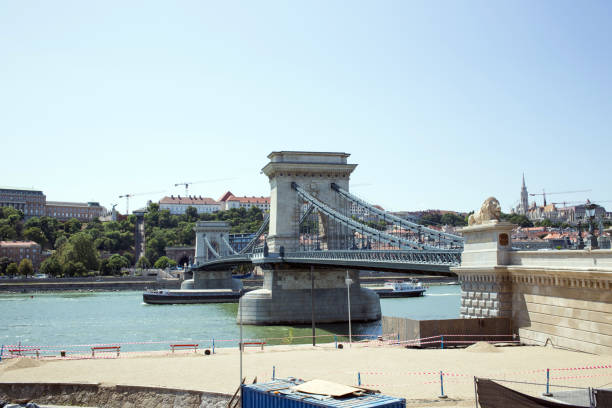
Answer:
(278, 394)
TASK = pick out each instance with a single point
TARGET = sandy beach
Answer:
(409, 373)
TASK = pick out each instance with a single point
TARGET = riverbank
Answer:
(105, 283)
(97, 284)
(408, 373)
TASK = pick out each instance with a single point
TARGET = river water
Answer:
(62, 320)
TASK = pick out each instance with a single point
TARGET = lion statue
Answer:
(489, 211)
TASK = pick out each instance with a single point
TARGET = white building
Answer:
(229, 201)
(178, 205)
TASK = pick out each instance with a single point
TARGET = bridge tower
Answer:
(211, 236)
(286, 294)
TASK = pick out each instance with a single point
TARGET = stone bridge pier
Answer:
(214, 232)
(286, 294)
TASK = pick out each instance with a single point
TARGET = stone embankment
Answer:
(110, 396)
(95, 284)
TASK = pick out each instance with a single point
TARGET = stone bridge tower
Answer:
(314, 172)
(286, 294)
(215, 232)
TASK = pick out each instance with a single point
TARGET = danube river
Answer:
(63, 319)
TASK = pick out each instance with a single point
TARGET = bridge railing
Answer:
(393, 256)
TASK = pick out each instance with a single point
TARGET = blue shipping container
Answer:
(278, 394)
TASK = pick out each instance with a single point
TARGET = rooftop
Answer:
(71, 204)
(17, 243)
(190, 200)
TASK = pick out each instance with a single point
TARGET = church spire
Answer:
(524, 206)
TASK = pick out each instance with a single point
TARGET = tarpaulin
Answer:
(493, 395)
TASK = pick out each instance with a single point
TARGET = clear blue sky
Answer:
(441, 104)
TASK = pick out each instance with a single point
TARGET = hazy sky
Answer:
(441, 103)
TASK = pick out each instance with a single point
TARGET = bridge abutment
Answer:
(286, 297)
(560, 297)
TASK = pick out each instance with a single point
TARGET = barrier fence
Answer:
(439, 381)
(338, 341)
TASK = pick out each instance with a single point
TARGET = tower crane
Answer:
(128, 196)
(543, 193)
(189, 183)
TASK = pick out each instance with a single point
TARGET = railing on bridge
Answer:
(413, 257)
(337, 234)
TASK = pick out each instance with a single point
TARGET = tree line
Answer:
(80, 249)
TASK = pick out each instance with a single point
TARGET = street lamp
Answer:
(348, 282)
(589, 209)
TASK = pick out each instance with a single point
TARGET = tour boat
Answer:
(398, 289)
(178, 296)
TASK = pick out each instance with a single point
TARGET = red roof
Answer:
(228, 196)
(17, 243)
(191, 200)
(225, 196)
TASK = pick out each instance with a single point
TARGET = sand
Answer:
(482, 347)
(409, 373)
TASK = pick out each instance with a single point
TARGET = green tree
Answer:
(452, 219)
(143, 263)
(4, 263)
(432, 218)
(35, 234)
(164, 262)
(191, 213)
(79, 249)
(25, 267)
(12, 269)
(116, 262)
(51, 267)
(60, 241)
(7, 232)
(72, 226)
(73, 268)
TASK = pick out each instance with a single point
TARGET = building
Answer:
(18, 250)
(64, 211)
(229, 201)
(177, 205)
(30, 202)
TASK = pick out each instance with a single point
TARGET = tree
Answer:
(115, 263)
(25, 267)
(35, 234)
(51, 267)
(60, 241)
(453, 219)
(164, 262)
(79, 249)
(191, 213)
(7, 232)
(12, 269)
(143, 263)
(72, 268)
(4, 263)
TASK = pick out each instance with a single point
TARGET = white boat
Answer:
(393, 289)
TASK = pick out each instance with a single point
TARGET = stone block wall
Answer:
(111, 396)
(565, 311)
(485, 296)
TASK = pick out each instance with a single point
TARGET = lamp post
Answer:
(348, 282)
(589, 210)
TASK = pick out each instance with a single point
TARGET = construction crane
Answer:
(189, 183)
(582, 202)
(128, 196)
(543, 193)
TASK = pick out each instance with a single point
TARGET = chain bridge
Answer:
(316, 234)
